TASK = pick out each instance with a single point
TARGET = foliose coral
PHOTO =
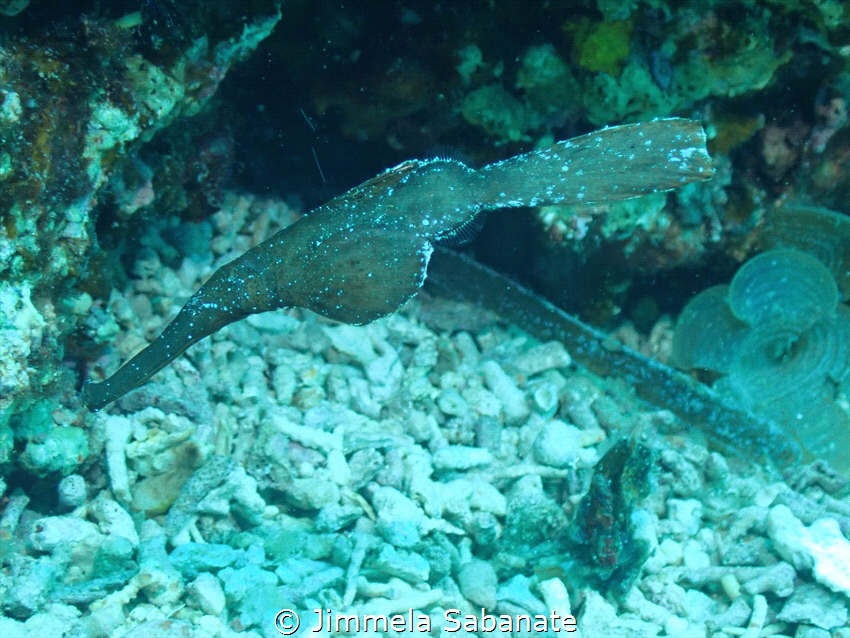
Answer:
(781, 339)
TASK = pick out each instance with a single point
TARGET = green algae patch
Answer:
(35, 423)
(600, 46)
(496, 111)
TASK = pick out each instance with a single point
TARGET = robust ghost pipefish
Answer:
(365, 253)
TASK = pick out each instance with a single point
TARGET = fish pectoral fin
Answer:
(361, 274)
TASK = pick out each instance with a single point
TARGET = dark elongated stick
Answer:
(456, 276)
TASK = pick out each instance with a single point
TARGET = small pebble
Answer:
(399, 518)
(687, 512)
(461, 457)
(488, 433)
(517, 591)
(543, 357)
(671, 550)
(778, 579)
(675, 626)
(409, 566)
(694, 557)
(804, 631)
(114, 520)
(467, 349)
(333, 517)
(451, 403)
(820, 547)
(352, 341)
(555, 596)
(482, 401)
(192, 558)
(54, 531)
(312, 493)
(557, 444)
(731, 586)
(812, 604)
(504, 387)
(168, 628)
(544, 397)
(206, 592)
(72, 491)
(478, 582)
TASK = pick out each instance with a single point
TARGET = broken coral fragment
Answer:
(820, 547)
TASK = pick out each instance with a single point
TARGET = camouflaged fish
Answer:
(365, 253)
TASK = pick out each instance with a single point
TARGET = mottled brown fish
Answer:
(365, 253)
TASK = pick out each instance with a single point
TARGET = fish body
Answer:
(365, 253)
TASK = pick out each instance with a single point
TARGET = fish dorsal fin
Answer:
(380, 185)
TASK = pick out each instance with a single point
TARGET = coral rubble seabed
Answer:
(431, 460)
